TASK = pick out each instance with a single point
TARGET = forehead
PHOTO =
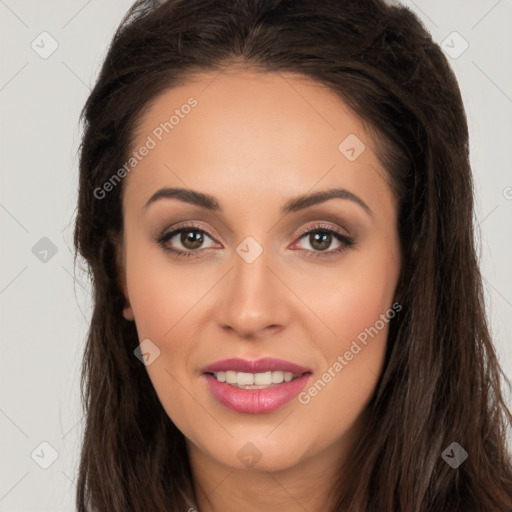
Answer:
(250, 131)
(269, 101)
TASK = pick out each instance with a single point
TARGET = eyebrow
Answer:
(293, 205)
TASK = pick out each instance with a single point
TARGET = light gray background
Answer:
(44, 313)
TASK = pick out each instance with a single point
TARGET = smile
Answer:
(255, 386)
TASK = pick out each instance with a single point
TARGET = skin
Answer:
(254, 141)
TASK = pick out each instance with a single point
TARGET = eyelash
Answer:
(347, 242)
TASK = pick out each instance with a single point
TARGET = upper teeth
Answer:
(249, 379)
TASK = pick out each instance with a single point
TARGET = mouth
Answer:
(255, 386)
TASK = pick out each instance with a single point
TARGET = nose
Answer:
(253, 299)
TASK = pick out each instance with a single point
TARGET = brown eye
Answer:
(320, 241)
(184, 241)
(191, 239)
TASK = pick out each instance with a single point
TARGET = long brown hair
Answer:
(441, 380)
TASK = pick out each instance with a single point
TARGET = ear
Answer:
(117, 242)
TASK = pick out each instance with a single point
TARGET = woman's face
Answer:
(250, 284)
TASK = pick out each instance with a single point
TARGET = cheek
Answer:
(162, 297)
(160, 293)
(357, 307)
(358, 312)
(353, 298)
(359, 317)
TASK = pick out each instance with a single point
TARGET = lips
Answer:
(265, 364)
(255, 401)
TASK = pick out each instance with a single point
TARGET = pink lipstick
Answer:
(255, 387)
